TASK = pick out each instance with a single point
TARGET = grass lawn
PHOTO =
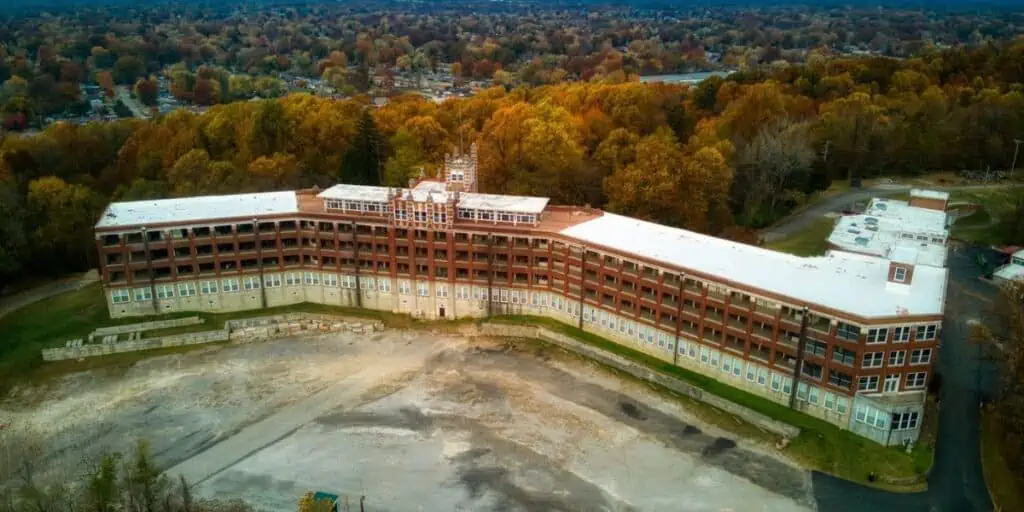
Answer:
(1003, 485)
(812, 241)
(820, 445)
(980, 227)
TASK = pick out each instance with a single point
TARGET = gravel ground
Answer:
(411, 421)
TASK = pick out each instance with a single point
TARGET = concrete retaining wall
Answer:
(641, 372)
(148, 326)
(96, 349)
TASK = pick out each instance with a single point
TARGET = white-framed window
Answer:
(751, 373)
(904, 420)
(842, 404)
(311, 277)
(420, 216)
(714, 358)
(462, 293)
(916, 380)
(143, 294)
(727, 364)
(186, 289)
(208, 287)
(229, 285)
(368, 283)
(404, 287)
(830, 400)
(897, 357)
(871, 416)
(347, 281)
(872, 359)
(801, 391)
(292, 279)
(813, 395)
(165, 291)
(441, 290)
(682, 346)
(762, 376)
(440, 217)
(921, 356)
(901, 334)
(120, 296)
(251, 283)
(272, 281)
(900, 275)
(878, 335)
(330, 279)
(384, 285)
(691, 351)
(705, 355)
(926, 332)
(422, 289)
(776, 382)
(867, 383)
(503, 295)
(892, 383)
(787, 385)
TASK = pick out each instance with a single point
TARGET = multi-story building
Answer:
(845, 337)
(916, 230)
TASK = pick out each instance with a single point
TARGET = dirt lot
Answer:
(413, 421)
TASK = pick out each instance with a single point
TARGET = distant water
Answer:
(684, 78)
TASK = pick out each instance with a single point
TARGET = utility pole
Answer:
(1016, 149)
(824, 154)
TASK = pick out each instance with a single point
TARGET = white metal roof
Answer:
(187, 209)
(848, 282)
(889, 226)
(1010, 272)
(437, 192)
(513, 204)
(356, 193)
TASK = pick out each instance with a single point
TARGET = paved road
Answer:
(956, 483)
(22, 299)
(838, 202)
(137, 109)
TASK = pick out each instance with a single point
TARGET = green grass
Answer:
(1003, 483)
(812, 241)
(820, 445)
(982, 227)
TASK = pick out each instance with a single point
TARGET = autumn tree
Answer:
(146, 89)
(62, 216)
(764, 166)
(274, 172)
(649, 187)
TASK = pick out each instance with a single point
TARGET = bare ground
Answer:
(412, 421)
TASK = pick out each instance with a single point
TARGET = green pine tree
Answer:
(361, 164)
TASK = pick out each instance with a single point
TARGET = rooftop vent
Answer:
(862, 241)
(854, 231)
(882, 206)
(871, 220)
(872, 228)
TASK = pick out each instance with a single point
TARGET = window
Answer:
(787, 385)
(871, 416)
(751, 372)
(776, 382)
(422, 289)
(844, 356)
(311, 278)
(251, 283)
(441, 290)
(186, 289)
(926, 332)
(368, 283)
(901, 334)
(878, 335)
(904, 420)
(120, 296)
(347, 281)
(727, 364)
(842, 405)
(440, 218)
(916, 380)
(463, 294)
(897, 357)
(384, 285)
(812, 395)
(869, 383)
(272, 281)
(899, 275)
(330, 279)
(801, 391)
(840, 379)
(872, 360)
(921, 356)
(143, 294)
(705, 355)
(848, 332)
(291, 279)
(208, 287)
(714, 358)
(165, 292)
(830, 401)
(229, 285)
(420, 216)
(762, 376)
(892, 383)
(404, 288)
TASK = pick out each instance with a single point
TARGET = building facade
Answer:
(848, 338)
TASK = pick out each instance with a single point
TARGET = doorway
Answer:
(440, 311)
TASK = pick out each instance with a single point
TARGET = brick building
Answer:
(849, 338)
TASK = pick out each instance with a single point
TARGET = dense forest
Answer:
(721, 157)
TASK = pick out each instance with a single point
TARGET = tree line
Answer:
(724, 157)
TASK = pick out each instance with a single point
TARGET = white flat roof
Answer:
(437, 192)
(909, 218)
(853, 233)
(1010, 272)
(201, 208)
(848, 282)
(929, 194)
